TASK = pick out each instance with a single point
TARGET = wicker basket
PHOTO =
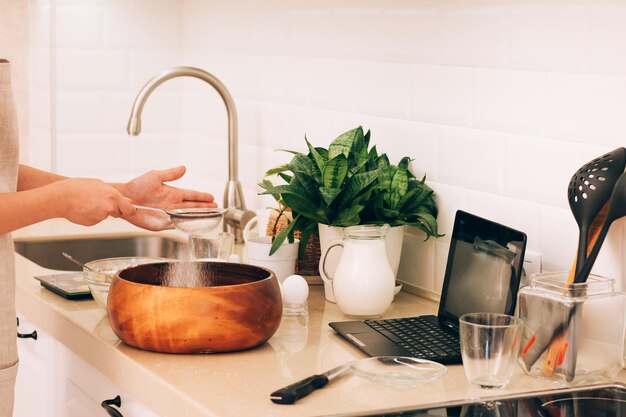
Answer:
(309, 264)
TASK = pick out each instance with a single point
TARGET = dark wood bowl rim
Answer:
(270, 276)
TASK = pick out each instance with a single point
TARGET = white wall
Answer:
(498, 102)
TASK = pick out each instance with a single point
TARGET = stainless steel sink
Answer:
(48, 252)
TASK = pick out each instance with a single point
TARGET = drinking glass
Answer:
(490, 344)
(218, 247)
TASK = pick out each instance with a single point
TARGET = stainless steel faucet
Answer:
(237, 216)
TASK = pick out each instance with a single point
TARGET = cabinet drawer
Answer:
(84, 388)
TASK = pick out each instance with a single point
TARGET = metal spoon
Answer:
(77, 262)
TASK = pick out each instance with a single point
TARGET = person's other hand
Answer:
(87, 201)
(150, 190)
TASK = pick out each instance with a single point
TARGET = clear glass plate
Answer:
(398, 370)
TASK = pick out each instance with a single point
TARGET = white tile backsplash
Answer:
(497, 102)
(549, 36)
(441, 94)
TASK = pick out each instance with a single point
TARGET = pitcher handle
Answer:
(333, 243)
(249, 227)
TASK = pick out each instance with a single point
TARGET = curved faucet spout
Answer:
(233, 194)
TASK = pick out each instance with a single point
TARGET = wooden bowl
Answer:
(232, 307)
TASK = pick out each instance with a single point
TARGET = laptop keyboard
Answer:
(421, 337)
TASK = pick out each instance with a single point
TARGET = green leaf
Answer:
(305, 172)
(303, 206)
(399, 186)
(335, 171)
(427, 223)
(285, 177)
(406, 197)
(319, 159)
(349, 216)
(266, 184)
(277, 170)
(329, 194)
(343, 143)
(280, 237)
(404, 163)
(355, 185)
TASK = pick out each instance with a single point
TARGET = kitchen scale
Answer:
(590, 401)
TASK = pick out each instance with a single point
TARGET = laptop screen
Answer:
(483, 270)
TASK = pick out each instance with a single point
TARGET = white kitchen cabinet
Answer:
(84, 388)
(53, 381)
(35, 385)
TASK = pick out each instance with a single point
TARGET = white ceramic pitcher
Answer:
(364, 281)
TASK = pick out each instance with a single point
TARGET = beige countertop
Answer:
(235, 384)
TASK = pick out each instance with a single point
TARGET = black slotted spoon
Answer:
(617, 210)
(589, 190)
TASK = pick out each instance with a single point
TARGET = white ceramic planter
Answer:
(393, 243)
(282, 262)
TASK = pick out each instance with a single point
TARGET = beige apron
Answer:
(8, 183)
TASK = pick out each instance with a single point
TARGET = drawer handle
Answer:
(32, 335)
(107, 405)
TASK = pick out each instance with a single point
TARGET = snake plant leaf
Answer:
(282, 235)
(319, 159)
(427, 223)
(266, 184)
(349, 216)
(410, 194)
(399, 186)
(355, 185)
(306, 172)
(404, 163)
(359, 152)
(423, 192)
(366, 138)
(277, 170)
(287, 189)
(390, 213)
(329, 194)
(323, 153)
(303, 206)
(285, 177)
(335, 171)
(343, 143)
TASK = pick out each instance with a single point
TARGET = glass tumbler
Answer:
(490, 344)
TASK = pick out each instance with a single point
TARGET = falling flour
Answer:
(187, 273)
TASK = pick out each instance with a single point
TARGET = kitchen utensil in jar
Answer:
(364, 282)
(588, 191)
(388, 370)
(196, 220)
(617, 209)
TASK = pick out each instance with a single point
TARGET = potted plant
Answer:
(349, 184)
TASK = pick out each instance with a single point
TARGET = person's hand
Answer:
(150, 190)
(88, 201)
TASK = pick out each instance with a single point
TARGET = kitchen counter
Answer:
(235, 384)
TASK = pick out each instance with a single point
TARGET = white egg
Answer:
(295, 290)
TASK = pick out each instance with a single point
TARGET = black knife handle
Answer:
(300, 389)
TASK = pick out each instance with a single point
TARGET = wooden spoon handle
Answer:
(558, 347)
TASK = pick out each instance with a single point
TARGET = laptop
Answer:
(483, 272)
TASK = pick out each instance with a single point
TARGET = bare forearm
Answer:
(29, 178)
(24, 208)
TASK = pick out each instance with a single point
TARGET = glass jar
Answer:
(573, 333)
